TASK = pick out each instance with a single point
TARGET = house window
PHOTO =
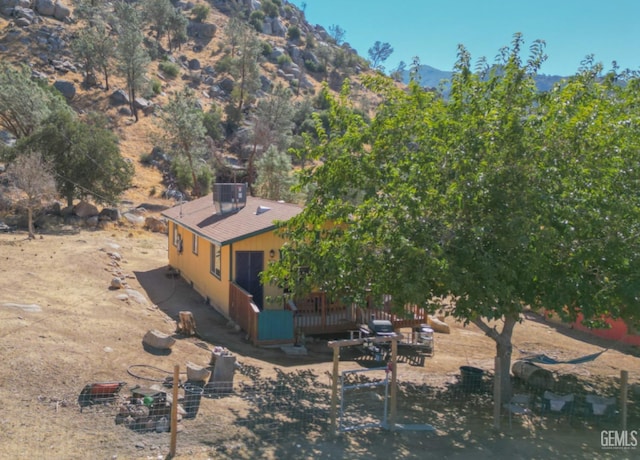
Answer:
(194, 244)
(176, 235)
(216, 260)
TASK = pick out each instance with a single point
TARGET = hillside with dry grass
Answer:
(45, 45)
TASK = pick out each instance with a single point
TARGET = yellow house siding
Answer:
(196, 268)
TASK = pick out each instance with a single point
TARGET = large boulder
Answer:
(155, 225)
(226, 85)
(277, 28)
(45, 7)
(119, 97)
(61, 12)
(201, 30)
(133, 218)
(112, 214)
(84, 209)
(67, 88)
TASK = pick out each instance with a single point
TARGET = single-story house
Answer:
(221, 243)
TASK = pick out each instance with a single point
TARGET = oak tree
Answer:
(495, 201)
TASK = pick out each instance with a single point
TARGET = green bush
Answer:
(270, 8)
(224, 64)
(201, 12)
(284, 60)
(212, 121)
(314, 67)
(156, 86)
(204, 176)
(293, 33)
(256, 19)
(182, 173)
(267, 49)
(310, 42)
(170, 69)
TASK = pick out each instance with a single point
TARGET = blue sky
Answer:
(432, 30)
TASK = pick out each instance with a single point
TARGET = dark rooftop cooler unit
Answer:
(229, 198)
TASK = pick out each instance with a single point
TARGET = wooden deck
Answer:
(315, 315)
(310, 316)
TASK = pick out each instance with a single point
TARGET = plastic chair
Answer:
(558, 404)
(520, 404)
(600, 407)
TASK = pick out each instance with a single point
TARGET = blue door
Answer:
(249, 264)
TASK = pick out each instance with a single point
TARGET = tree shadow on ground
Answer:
(291, 412)
(172, 294)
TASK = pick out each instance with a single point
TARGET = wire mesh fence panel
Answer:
(364, 399)
(274, 414)
(259, 415)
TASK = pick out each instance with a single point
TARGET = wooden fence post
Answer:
(624, 388)
(394, 382)
(334, 388)
(174, 411)
(497, 409)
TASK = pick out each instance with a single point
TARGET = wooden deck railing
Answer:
(244, 311)
(313, 314)
(410, 317)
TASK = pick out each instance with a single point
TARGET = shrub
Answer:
(212, 121)
(270, 8)
(224, 64)
(313, 66)
(284, 60)
(201, 12)
(204, 176)
(170, 69)
(256, 19)
(311, 42)
(293, 33)
(267, 49)
(156, 86)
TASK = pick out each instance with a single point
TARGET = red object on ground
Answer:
(105, 388)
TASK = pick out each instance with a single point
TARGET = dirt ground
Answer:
(62, 326)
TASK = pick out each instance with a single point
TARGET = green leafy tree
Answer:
(132, 56)
(201, 12)
(91, 11)
(275, 175)
(498, 200)
(84, 155)
(34, 177)
(182, 119)
(379, 53)
(95, 48)
(158, 14)
(337, 33)
(398, 73)
(272, 126)
(25, 103)
(233, 33)
(245, 67)
(177, 28)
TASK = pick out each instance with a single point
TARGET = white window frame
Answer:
(216, 260)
